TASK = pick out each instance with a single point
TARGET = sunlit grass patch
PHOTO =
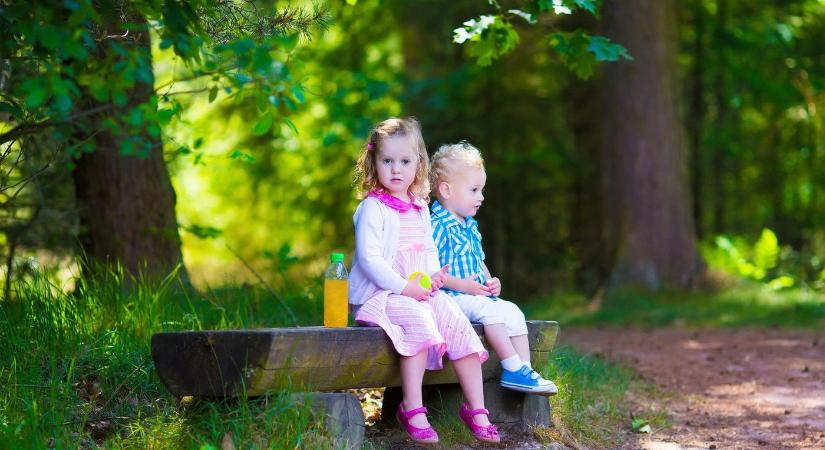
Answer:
(743, 305)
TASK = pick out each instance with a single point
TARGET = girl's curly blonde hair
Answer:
(366, 169)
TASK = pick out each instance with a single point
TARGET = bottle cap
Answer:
(336, 257)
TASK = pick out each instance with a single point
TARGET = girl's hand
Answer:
(494, 284)
(438, 278)
(414, 290)
(473, 287)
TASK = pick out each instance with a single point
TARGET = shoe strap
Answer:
(530, 372)
(475, 412)
(412, 412)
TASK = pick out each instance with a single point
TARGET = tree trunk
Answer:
(647, 194)
(127, 203)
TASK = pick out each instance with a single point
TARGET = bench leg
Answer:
(342, 416)
(516, 409)
(507, 408)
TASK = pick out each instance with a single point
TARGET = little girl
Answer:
(393, 241)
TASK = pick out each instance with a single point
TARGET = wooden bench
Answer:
(228, 363)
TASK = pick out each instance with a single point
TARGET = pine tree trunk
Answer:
(126, 204)
(647, 195)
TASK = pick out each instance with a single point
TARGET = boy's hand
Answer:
(473, 287)
(414, 290)
(494, 285)
(438, 278)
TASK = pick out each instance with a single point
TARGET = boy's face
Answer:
(462, 195)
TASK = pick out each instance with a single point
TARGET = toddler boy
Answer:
(457, 178)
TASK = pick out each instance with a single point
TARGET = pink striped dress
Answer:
(436, 324)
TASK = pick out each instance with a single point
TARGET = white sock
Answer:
(512, 363)
(528, 363)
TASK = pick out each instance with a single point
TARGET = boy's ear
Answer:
(444, 190)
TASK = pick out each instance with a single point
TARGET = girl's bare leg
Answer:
(468, 370)
(412, 375)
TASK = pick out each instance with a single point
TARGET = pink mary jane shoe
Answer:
(419, 435)
(486, 433)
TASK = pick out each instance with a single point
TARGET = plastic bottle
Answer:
(335, 292)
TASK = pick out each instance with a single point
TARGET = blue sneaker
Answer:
(527, 380)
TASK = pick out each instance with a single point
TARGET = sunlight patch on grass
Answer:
(745, 305)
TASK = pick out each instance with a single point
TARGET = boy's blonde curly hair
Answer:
(453, 157)
(366, 169)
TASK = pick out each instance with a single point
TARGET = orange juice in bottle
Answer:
(335, 292)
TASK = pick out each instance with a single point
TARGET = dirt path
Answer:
(734, 389)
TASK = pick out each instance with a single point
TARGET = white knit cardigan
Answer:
(376, 243)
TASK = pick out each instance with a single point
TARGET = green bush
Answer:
(765, 261)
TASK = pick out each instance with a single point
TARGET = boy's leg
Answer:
(525, 378)
(521, 346)
(503, 344)
(488, 312)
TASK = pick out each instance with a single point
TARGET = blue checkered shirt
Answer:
(459, 245)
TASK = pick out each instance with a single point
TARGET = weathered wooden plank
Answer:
(227, 362)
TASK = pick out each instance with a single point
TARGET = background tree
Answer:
(82, 74)
(251, 184)
(649, 221)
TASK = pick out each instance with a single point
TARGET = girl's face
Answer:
(397, 164)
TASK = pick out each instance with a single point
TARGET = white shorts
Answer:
(488, 311)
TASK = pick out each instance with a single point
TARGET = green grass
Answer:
(76, 370)
(591, 408)
(745, 305)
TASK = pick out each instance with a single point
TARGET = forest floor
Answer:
(725, 389)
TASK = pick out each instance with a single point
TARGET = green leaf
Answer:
(557, 6)
(640, 425)
(48, 37)
(589, 5)
(572, 48)
(291, 126)
(606, 50)
(298, 93)
(489, 38)
(203, 232)
(766, 250)
(239, 155)
(36, 92)
(213, 94)
(261, 102)
(781, 282)
(262, 125)
(472, 28)
(523, 14)
(11, 109)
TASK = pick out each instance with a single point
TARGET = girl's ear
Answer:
(444, 189)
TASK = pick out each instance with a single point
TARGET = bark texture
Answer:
(649, 224)
(126, 203)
